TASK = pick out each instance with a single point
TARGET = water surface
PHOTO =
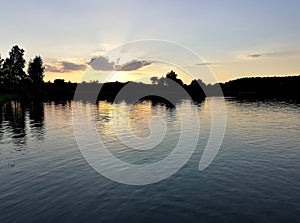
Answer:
(255, 177)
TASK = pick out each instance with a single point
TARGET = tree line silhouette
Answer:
(12, 69)
(264, 87)
(30, 85)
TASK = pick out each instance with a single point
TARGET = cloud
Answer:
(271, 54)
(53, 69)
(100, 63)
(132, 65)
(204, 64)
(103, 63)
(69, 66)
(65, 66)
(281, 53)
(254, 56)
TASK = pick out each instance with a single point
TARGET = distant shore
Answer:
(255, 88)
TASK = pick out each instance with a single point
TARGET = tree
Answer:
(154, 80)
(36, 70)
(1, 62)
(197, 88)
(1, 71)
(13, 66)
(173, 76)
(59, 82)
(198, 83)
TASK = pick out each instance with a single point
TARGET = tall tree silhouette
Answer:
(1, 70)
(13, 66)
(36, 70)
(1, 62)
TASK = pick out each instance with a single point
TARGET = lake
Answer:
(255, 176)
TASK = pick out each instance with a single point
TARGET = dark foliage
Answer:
(12, 69)
(36, 71)
(263, 87)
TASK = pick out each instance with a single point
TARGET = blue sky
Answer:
(239, 38)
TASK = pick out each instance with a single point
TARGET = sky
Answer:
(231, 39)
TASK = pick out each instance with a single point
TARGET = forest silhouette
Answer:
(16, 84)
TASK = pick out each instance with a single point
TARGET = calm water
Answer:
(255, 177)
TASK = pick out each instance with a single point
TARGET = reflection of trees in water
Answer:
(13, 121)
(36, 116)
(14, 115)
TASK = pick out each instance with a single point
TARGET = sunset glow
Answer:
(236, 39)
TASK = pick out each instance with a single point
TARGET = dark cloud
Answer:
(65, 66)
(103, 63)
(69, 66)
(254, 56)
(132, 65)
(97, 63)
(53, 69)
